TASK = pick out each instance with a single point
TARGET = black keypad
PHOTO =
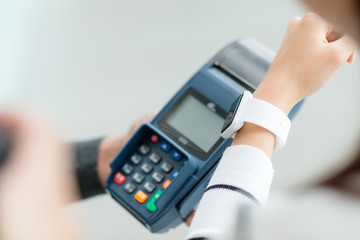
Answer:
(158, 177)
(136, 159)
(147, 168)
(138, 178)
(149, 187)
(127, 169)
(144, 149)
(166, 167)
(130, 188)
(152, 167)
(155, 158)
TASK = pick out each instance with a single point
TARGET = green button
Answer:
(151, 203)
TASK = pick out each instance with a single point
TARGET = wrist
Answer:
(277, 90)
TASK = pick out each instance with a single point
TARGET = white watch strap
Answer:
(266, 115)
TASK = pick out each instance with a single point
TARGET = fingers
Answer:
(342, 47)
(314, 21)
(352, 58)
(189, 218)
(313, 25)
(333, 36)
(294, 22)
(345, 48)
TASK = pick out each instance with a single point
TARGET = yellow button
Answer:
(141, 197)
(166, 184)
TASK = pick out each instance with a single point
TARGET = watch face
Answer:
(232, 112)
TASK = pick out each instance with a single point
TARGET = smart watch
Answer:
(261, 113)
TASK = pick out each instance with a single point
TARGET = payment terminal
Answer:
(162, 172)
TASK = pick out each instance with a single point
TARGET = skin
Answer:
(306, 61)
(344, 14)
(310, 55)
(303, 66)
(33, 189)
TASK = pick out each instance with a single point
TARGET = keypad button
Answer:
(154, 138)
(144, 149)
(127, 169)
(119, 178)
(175, 173)
(166, 167)
(141, 197)
(166, 184)
(149, 187)
(130, 188)
(138, 178)
(165, 147)
(146, 168)
(176, 155)
(150, 206)
(136, 159)
(158, 177)
(155, 158)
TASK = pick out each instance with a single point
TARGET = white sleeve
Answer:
(242, 180)
(306, 214)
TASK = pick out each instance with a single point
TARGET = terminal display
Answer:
(195, 122)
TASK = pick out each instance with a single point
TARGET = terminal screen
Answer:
(196, 122)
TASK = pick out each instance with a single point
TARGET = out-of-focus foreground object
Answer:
(4, 146)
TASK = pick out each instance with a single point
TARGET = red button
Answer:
(154, 138)
(119, 178)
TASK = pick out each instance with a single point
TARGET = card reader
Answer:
(161, 173)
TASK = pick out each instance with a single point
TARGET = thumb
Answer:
(352, 58)
(345, 47)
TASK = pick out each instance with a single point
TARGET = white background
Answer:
(98, 65)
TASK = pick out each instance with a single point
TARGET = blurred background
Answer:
(98, 65)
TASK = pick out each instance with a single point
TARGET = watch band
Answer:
(260, 113)
(247, 60)
(267, 116)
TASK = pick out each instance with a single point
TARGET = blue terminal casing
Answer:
(180, 198)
